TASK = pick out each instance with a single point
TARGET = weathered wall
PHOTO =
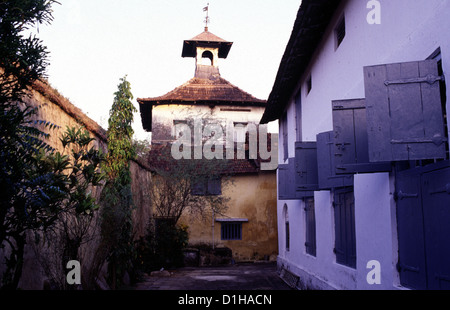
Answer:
(252, 197)
(165, 115)
(58, 110)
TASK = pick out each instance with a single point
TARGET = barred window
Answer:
(231, 231)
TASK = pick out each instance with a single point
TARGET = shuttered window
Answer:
(344, 218)
(298, 115)
(310, 243)
(286, 228)
(286, 180)
(351, 148)
(284, 131)
(404, 112)
(306, 170)
(210, 187)
(423, 217)
(327, 177)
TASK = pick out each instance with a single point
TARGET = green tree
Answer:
(22, 59)
(79, 165)
(116, 196)
(30, 193)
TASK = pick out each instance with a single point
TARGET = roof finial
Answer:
(206, 9)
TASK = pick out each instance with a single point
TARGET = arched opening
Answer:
(286, 225)
(207, 55)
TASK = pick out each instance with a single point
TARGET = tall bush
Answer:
(117, 200)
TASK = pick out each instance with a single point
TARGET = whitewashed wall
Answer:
(409, 31)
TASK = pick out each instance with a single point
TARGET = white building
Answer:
(364, 175)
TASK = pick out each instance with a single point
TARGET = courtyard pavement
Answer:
(256, 276)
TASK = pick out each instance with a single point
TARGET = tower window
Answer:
(208, 55)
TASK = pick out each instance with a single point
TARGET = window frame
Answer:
(202, 188)
(284, 128)
(231, 231)
(345, 231)
(287, 238)
(310, 227)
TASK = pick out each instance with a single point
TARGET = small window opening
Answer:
(207, 55)
(309, 84)
(340, 32)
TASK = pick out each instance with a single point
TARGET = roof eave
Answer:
(157, 102)
(189, 47)
(312, 20)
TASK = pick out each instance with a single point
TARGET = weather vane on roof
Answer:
(207, 20)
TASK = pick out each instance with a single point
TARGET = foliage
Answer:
(142, 148)
(80, 162)
(22, 60)
(117, 199)
(120, 132)
(163, 246)
(30, 193)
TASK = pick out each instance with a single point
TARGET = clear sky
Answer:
(94, 43)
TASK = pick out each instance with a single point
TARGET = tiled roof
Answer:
(161, 160)
(206, 37)
(44, 88)
(206, 91)
(199, 91)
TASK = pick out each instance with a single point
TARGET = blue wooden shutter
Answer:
(298, 115)
(436, 210)
(351, 149)
(411, 241)
(286, 181)
(306, 175)
(282, 181)
(198, 188)
(310, 243)
(215, 186)
(339, 226)
(404, 112)
(284, 129)
(345, 234)
(327, 177)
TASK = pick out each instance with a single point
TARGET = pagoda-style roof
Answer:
(200, 91)
(206, 92)
(206, 38)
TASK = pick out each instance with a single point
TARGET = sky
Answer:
(95, 43)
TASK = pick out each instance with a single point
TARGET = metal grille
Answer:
(231, 231)
(289, 278)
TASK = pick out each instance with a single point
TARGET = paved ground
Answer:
(258, 276)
